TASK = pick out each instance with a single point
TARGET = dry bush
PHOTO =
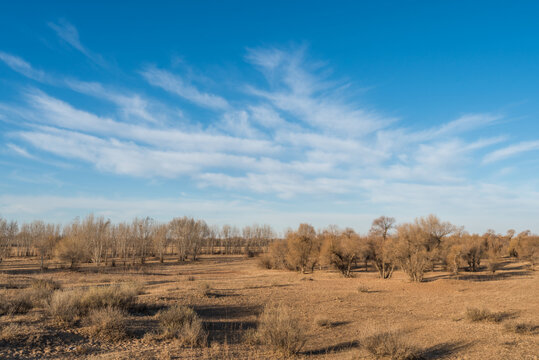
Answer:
(120, 296)
(20, 303)
(182, 323)
(46, 284)
(390, 345)
(191, 278)
(281, 329)
(522, 328)
(107, 324)
(474, 314)
(66, 307)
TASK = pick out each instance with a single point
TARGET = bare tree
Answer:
(303, 248)
(142, 234)
(341, 249)
(161, 240)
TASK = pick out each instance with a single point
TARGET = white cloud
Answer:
(510, 151)
(178, 86)
(70, 35)
(20, 151)
(19, 65)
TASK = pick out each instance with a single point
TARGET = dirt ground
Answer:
(428, 315)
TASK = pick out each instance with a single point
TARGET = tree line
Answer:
(415, 248)
(97, 240)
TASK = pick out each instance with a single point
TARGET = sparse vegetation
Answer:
(182, 323)
(281, 329)
(475, 314)
(106, 324)
(522, 328)
(390, 345)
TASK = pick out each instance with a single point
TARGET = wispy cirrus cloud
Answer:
(69, 33)
(300, 134)
(510, 151)
(178, 86)
(19, 65)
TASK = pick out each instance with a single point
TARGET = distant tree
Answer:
(303, 248)
(380, 246)
(160, 237)
(341, 249)
(71, 247)
(142, 234)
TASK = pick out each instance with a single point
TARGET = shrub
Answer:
(182, 323)
(522, 328)
(389, 344)
(280, 329)
(65, 306)
(121, 296)
(107, 324)
(474, 314)
(44, 284)
(20, 303)
(363, 289)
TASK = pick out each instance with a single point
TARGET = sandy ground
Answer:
(428, 315)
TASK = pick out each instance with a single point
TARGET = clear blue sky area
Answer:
(274, 112)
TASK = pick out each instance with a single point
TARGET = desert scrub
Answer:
(206, 290)
(475, 315)
(280, 328)
(106, 324)
(389, 345)
(522, 328)
(182, 323)
(13, 332)
(18, 303)
(67, 307)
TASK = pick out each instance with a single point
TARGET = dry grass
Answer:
(475, 315)
(69, 306)
(107, 324)
(182, 323)
(280, 328)
(390, 345)
(13, 333)
(322, 321)
(522, 328)
(16, 304)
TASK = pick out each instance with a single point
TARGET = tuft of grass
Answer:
(475, 315)
(363, 289)
(182, 323)
(206, 289)
(281, 329)
(107, 324)
(390, 345)
(522, 328)
(44, 284)
(191, 278)
(322, 321)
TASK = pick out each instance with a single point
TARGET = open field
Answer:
(338, 314)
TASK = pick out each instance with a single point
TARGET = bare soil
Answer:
(430, 316)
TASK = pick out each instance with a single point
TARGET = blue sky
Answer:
(279, 112)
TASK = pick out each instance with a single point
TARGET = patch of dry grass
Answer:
(390, 345)
(522, 328)
(475, 315)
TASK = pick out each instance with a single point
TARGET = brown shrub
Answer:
(67, 307)
(522, 328)
(390, 345)
(182, 323)
(20, 303)
(474, 314)
(107, 324)
(322, 321)
(281, 329)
